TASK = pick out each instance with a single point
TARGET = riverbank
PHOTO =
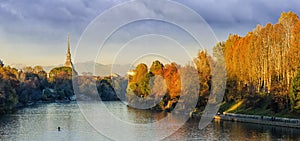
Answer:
(266, 120)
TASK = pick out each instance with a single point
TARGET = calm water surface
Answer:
(40, 122)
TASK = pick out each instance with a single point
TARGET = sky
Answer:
(34, 32)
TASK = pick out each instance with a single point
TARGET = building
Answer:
(68, 62)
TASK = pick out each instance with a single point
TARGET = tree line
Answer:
(163, 85)
(262, 72)
(263, 66)
(262, 69)
(19, 88)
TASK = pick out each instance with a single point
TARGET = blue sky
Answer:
(34, 32)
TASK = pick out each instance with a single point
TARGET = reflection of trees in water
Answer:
(145, 116)
(227, 130)
(238, 130)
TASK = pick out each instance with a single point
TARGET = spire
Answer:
(68, 62)
(69, 44)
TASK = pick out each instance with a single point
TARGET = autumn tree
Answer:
(204, 72)
(8, 92)
(264, 61)
(173, 80)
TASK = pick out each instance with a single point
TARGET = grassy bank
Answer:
(241, 107)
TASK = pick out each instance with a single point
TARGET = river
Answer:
(40, 122)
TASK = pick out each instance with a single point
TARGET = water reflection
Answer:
(40, 123)
(227, 130)
(145, 116)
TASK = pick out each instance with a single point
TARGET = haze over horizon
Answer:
(35, 32)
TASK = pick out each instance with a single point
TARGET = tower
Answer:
(68, 62)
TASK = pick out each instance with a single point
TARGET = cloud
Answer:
(239, 17)
(47, 19)
(246, 11)
(38, 22)
(41, 27)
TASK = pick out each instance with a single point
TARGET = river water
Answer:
(40, 123)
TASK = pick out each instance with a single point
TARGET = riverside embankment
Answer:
(267, 120)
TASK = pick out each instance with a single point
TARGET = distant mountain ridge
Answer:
(100, 69)
(84, 67)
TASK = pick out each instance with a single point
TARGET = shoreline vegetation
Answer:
(262, 71)
(21, 88)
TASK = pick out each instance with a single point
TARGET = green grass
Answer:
(234, 107)
(225, 106)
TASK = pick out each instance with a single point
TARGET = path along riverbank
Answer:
(276, 121)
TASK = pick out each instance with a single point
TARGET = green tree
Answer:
(139, 83)
(61, 80)
(295, 93)
(157, 68)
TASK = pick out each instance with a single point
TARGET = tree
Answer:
(264, 62)
(8, 92)
(38, 69)
(295, 93)
(1, 63)
(28, 69)
(141, 80)
(61, 80)
(157, 68)
(158, 87)
(204, 72)
(190, 87)
(173, 80)
(60, 73)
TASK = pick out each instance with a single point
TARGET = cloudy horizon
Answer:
(35, 32)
